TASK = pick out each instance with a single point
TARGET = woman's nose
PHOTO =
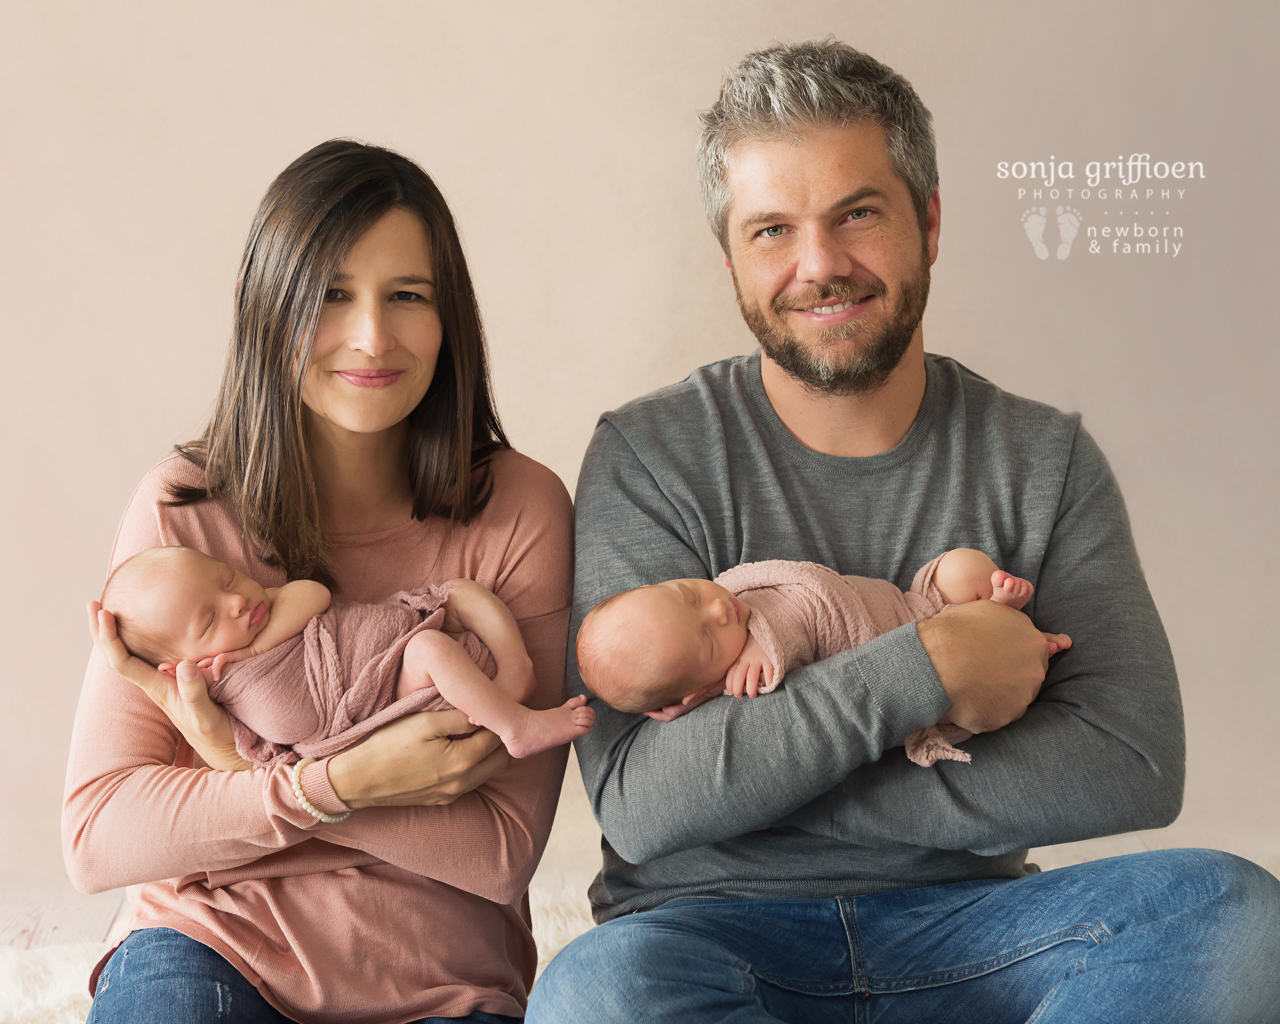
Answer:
(370, 333)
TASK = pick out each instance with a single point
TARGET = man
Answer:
(787, 861)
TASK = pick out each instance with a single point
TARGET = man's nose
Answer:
(822, 258)
(370, 333)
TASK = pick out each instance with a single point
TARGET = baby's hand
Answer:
(227, 658)
(751, 669)
(673, 711)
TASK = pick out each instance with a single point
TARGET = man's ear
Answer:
(933, 225)
(727, 265)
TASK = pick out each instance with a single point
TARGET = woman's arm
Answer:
(136, 809)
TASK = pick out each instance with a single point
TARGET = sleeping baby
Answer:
(299, 678)
(661, 650)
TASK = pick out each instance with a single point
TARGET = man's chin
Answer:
(843, 366)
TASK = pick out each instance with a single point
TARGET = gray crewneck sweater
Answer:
(801, 793)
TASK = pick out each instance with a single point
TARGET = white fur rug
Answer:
(49, 985)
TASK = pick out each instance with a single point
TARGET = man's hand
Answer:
(752, 669)
(182, 696)
(990, 659)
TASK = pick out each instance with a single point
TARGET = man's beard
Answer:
(865, 368)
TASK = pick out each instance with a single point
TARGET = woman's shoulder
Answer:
(150, 520)
(172, 471)
(523, 487)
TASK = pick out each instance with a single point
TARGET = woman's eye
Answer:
(332, 295)
(774, 231)
(407, 297)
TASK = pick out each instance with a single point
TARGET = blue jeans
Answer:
(1173, 936)
(160, 976)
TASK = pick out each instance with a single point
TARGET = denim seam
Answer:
(1080, 933)
(850, 923)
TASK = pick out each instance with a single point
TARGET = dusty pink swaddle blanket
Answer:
(327, 688)
(803, 612)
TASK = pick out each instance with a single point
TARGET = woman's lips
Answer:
(370, 378)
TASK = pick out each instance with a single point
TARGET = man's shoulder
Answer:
(690, 410)
(985, 406)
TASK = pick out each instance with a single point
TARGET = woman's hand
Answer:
(181, 696)
(429, 758)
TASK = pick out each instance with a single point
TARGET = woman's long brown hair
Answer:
(253, 451)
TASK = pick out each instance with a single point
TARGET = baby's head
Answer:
(653, 646)
(173, 604)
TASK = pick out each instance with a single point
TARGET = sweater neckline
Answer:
(843, 465)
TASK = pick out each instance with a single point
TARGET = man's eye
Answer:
(859, 214)
(773, 232)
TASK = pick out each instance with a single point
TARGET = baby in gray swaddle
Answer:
(662, 650)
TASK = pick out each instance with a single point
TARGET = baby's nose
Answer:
(719, 609)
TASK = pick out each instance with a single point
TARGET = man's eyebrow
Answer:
(852, 199)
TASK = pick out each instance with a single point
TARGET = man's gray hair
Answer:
(782, 91)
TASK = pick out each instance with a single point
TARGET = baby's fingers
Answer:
(753, 680)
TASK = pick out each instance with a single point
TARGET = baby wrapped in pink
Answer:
(349, 657)
(803, 612)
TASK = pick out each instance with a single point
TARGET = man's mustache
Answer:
(831, 294)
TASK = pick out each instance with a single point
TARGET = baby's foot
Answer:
(1010, 590)
(1033, 222)
(541, 730)
(1068, 228)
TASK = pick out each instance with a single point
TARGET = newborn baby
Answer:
(664, 649)
(301, 679)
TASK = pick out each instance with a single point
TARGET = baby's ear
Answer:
(169, 668)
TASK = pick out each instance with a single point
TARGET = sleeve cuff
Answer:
(904, 684)
(315, 784)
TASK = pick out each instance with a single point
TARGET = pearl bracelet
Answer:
(307, 805)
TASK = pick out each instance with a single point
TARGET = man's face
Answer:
(827, 256)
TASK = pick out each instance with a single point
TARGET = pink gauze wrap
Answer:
(802, 612)
(327, 688)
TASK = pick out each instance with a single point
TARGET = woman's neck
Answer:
(362, 480)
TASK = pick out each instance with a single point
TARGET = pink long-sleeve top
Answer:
(394, 914)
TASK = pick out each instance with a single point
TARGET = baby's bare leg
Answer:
(965, 575)
(439, 659)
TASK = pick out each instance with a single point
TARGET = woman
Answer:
(353, 442)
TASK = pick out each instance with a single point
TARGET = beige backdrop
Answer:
(137, 138)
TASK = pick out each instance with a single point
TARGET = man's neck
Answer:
(361, 479)
(850, 426)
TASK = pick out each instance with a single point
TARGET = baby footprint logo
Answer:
(1033, 222)
(1068, 228)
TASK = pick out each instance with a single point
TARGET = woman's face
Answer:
(379, 334)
